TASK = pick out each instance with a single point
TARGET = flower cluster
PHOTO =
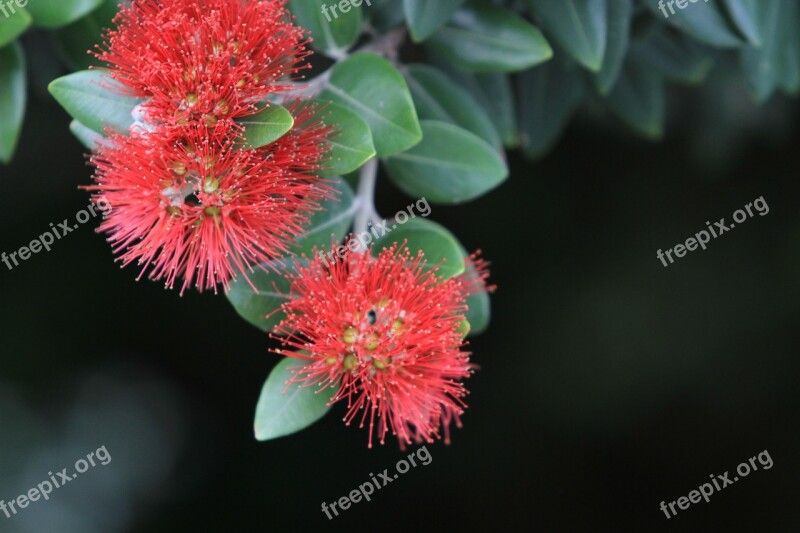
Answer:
(191, 200)
(387, 333)
(188, 198)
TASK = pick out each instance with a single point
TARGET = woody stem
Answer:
(366, 196)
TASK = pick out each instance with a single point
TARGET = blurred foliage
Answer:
(558, 54)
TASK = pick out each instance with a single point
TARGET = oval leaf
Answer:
(255, 305)
(789, 55)
(57, 13)
(350, 144)
(266, 126)
(426, 16)
(95, 99)
(437, 97)
(479, 306)
(745, 13)
(12, 98)
(332, 29)
(283, 410)
(486, 38)
(550, 94)
(442, 250)
(580, 27)
(494, 92)
(14, 25)
(704, 21)
(372, 88)
(88, 137)
(762, 66)
(450, 165)
(675, 57)
(385, 15)
(479, 312)
(620, 13)
(638, 99)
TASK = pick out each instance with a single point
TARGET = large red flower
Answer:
(387, 333)
(204, 59)
(186, 206)
(187, 198)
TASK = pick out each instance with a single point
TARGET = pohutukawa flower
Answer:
(185, 206)
(188, 199)
(204, 60)
(387, 333)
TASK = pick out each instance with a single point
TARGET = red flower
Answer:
(185, 206)
(204, 59)
(187, 198)
(385, 332)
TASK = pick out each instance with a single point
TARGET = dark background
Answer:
(608, 383)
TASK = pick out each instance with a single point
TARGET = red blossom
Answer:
(187, 198)
(185, 206)
(386, 332)
(204, 58)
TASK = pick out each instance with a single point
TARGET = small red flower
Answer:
(187, 198)
(387, 333)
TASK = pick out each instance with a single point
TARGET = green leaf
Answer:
(385, 15)
(578, 26)
(88, 137)
(13, 26)
(638, 99)
(57, 13)
(620, 13)
(437, 97)
(704, 21)
(333, 30)
(486, 38)
(745, 13)
(479, 305)
(372, 88)
(789, 55)
(271, 290)
(424, 17)
(479, 312)
(332, 222)
(450, 165)
(494, 93)
(549, 96)
(442, 250)
(82, 35)
(762, 66)
(350, 142)
(12, 98)
(266, 126)
(283, 410)
(95, 99)
(675, 57)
